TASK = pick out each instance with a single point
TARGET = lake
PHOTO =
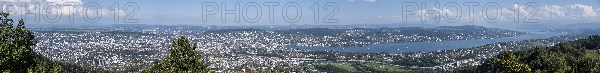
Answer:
(432, 46)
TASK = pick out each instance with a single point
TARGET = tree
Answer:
(588, 65)
(505, 62)
(579, 56)
(46, 67)
(16, 52)
(182, 58)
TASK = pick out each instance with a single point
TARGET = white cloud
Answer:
(369, 0)
(64, 1)
(65, 7)
(507, 14)
(552, 11)
(572, 11)
(581, 10)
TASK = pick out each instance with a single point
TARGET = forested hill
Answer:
(579, 56)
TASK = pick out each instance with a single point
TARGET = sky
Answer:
(303, 12)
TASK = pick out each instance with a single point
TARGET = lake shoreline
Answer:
(432, 46)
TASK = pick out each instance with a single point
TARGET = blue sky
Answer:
(191, 12)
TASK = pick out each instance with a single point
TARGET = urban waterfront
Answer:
(432, 46)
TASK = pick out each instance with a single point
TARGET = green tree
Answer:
(505, 62)
(182, 58)
(16, 50)
(579, 56)
(16, 44)
(46, 67)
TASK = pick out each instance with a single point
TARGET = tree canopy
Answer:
(182, 58)
(579, 56)
(15, 46)
(16, 50)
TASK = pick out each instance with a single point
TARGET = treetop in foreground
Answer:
(182, 58)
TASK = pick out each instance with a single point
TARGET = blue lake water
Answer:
(432, 46)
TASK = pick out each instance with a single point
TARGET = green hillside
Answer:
(579, 56)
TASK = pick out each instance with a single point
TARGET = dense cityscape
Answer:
(131, 48)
